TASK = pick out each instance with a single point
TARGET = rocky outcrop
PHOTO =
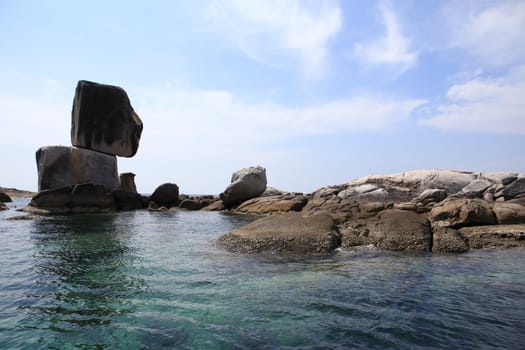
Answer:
(509, 213)
(195, 202)
(61, 166)
(459, 213)
(289, 234)
(82, 198)
(104, 121)
(273, 204)
(127, 182)
(395, 230)
(166, 195)
(498, 236)
(4, 198)
(448, 240)
(245, 184)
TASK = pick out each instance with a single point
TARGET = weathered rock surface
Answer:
(90, 198)
(54, 201)
(514, 189)
(273, 204)
(196, 202)
(394, 230)
(509, 213)
(450, 181)
(128, 200)
(166, 195)
(430, 196)
(82, 198)
(4, 198)
(289, 234)
(103, 120)
(498, 236)
(245, 184)
(61, 166)
(476, 187)
(448, 240)
(127, 182)
(458, 213)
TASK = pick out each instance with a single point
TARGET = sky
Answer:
(317, 92)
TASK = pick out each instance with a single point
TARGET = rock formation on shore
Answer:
(84, 177)
(426, 210)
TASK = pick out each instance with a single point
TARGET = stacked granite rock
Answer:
(84, 177)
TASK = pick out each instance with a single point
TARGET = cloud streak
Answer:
(490, 105)
(279, 33)
(391, 49)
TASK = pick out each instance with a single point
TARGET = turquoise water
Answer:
(155, 280)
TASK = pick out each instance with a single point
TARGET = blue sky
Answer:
(318, 92)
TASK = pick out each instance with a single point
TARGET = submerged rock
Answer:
(245, 184)
(104, 121)
(286, 234)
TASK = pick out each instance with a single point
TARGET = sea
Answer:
(157, 280)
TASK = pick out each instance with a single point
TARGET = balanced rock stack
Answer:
(82, 177)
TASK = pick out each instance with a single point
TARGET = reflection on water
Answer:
(141, 280)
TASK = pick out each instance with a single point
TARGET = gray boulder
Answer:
(476, 187)
(514, 189)
(367, 192)
(166, 195)
(4, 198)
(61, 166)
(285, 234)
(245, 184)
(430, 196)
(103, 120)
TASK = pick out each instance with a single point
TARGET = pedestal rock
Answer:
(60, 166)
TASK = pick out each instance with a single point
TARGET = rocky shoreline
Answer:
(443, 211)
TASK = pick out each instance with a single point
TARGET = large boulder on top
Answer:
(61, 166)
(286, 234)
(166, 195)
(103, 120)
(245, 184)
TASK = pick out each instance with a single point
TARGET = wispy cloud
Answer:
(492, 34)
(489, 105)
(277, 33)
(393, 48)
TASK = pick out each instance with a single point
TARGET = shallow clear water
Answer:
(155, 280)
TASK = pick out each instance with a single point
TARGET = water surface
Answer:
(156, 280)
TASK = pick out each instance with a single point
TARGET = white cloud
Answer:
(272, 31)
(490, 105)
(391, 49)
(493, 35)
